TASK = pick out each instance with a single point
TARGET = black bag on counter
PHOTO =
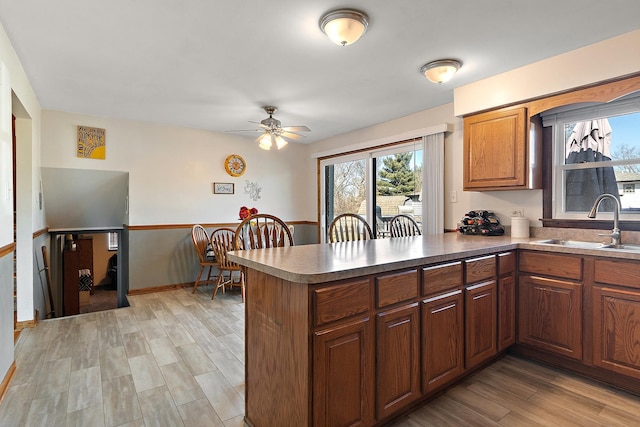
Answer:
(481, 222)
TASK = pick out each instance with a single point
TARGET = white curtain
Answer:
(433, 186)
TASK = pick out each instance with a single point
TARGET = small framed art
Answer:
(222, 188)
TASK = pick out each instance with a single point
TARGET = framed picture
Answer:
(91, 143)
(222, 188)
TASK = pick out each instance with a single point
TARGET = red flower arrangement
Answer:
(245, 212)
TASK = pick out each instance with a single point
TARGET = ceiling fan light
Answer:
(344, 26)
(265, 142)
(280, 142)
(440, 71)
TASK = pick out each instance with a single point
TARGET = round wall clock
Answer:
(235, 165)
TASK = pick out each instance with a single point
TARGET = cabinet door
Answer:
(344, 373)
(397, 359)
(550, 315)
(616, 330)
(506, 311)
(481, 323)
(442, 339)
(495, 150)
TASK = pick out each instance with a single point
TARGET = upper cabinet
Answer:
(497, 151)
(503, 147)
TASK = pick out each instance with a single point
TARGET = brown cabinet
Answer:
(397, 359)
(442, 339)
(343, 375)
(550, 293)
(616, 317)
(550, 315)
(480, 305)
(506, 300)
(495, 150)
(480, 323)
(616, 326)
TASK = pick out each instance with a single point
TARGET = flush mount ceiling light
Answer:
(344, 26)
(440, 71)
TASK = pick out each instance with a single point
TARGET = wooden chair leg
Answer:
(209, 275)
(219, 282)
(197, 279)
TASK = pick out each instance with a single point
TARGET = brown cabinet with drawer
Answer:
(397, 342)
(550, 303)
(343, 354)
(480, 299)
(442, 339)
(506, 299)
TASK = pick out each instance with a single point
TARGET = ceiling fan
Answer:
(273, 132)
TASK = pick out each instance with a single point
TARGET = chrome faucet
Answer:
(615, 233)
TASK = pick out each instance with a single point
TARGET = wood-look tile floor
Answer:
(174, 359)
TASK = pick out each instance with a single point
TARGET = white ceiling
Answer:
(213, 64)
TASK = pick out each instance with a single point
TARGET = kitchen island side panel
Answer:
(277, 373)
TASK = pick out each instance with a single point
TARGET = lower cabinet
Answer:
(344, 375)
(442, 339)
(506, 300)
(480, 323)
(397, 359)
(616, 330)
(550, 315)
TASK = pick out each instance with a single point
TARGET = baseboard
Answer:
(154, 289)
(4, 385)
(28, 323)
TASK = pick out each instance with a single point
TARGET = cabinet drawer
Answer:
(479, 269)
(568, 267)
(622, 273)
(441, 277)
(506, 263)
(341, 301)
(393, 288)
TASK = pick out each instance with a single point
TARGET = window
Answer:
(596, 151)
(398, 185)
(381, 183)
(112, 241)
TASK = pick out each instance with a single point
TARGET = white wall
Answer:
(608, 59)
(501, 202)
(30, 219)
(171, 169)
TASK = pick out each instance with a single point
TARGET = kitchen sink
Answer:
(578, 244)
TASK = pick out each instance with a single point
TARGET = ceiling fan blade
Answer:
(296, 129)
(292, 135)
(262, 125)
(245, 130)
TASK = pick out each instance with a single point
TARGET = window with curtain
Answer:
(380, 183)
(596, 151)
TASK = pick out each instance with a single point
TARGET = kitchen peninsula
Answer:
(356, 333)
(310, 340)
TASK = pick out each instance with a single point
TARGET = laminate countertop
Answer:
(320, 263)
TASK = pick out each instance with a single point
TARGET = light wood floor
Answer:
(174, 359)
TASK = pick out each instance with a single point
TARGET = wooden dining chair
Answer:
(262, 231)
(222, 241)
(349, 227)
(403, 225)
(202, 246)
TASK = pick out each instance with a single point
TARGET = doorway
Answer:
(87, 271)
